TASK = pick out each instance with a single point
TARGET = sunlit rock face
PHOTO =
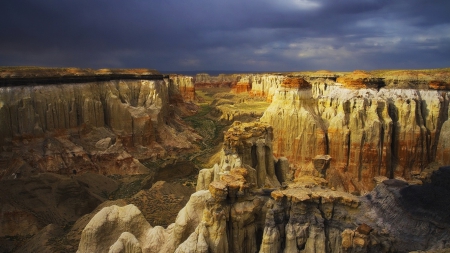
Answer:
(183, 86)
(360, 80)
(102, 126)
(249, 146)
(388, 123)
(366, 131)
(264, 85)
(243, 86)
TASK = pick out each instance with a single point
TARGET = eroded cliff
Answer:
(369, 129)
(100, 126)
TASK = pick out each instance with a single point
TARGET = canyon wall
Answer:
(183, 86)
(368, 128)
(91, 124)
(392, 124)
(204, 80)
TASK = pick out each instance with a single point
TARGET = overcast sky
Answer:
(247, 35)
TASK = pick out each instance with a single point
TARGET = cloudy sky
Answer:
(247, 35)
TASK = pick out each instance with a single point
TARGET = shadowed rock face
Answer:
(29, 205)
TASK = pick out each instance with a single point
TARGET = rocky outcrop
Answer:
(264, 85)
(378, 123)
(116, 227)
(438, 85)
(247, 145)
(302, 216)
(127, 224)
(102, 126)
(413, 79)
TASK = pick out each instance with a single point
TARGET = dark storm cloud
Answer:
(227, 35)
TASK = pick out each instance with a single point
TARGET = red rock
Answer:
(241, 87)
(439, 85)
(296, 83)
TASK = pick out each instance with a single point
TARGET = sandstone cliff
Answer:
(368, 132)
(183, 86)
(101, 126)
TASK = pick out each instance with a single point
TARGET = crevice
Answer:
(254, 157)
(380, 108)
(392, 112)
(424, 141)
(443, 117)
(360, 158)
(380, 149)
(348, 150)
(326, 226)
(424, 111)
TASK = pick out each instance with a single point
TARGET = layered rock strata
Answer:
(100, 126)
(182, 86)
(367, 132)
(378, 123)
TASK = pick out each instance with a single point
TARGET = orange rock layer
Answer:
(360, 80)
(241, 87)
(297, 83)
(439, 85)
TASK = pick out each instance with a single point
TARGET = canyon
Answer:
(276, 162)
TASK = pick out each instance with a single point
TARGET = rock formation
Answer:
(332, 166)
(368, 132)
(243, 86)
(100, 126)
(303, 216)
(379, 123)
(182, 86)
(246, 145)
